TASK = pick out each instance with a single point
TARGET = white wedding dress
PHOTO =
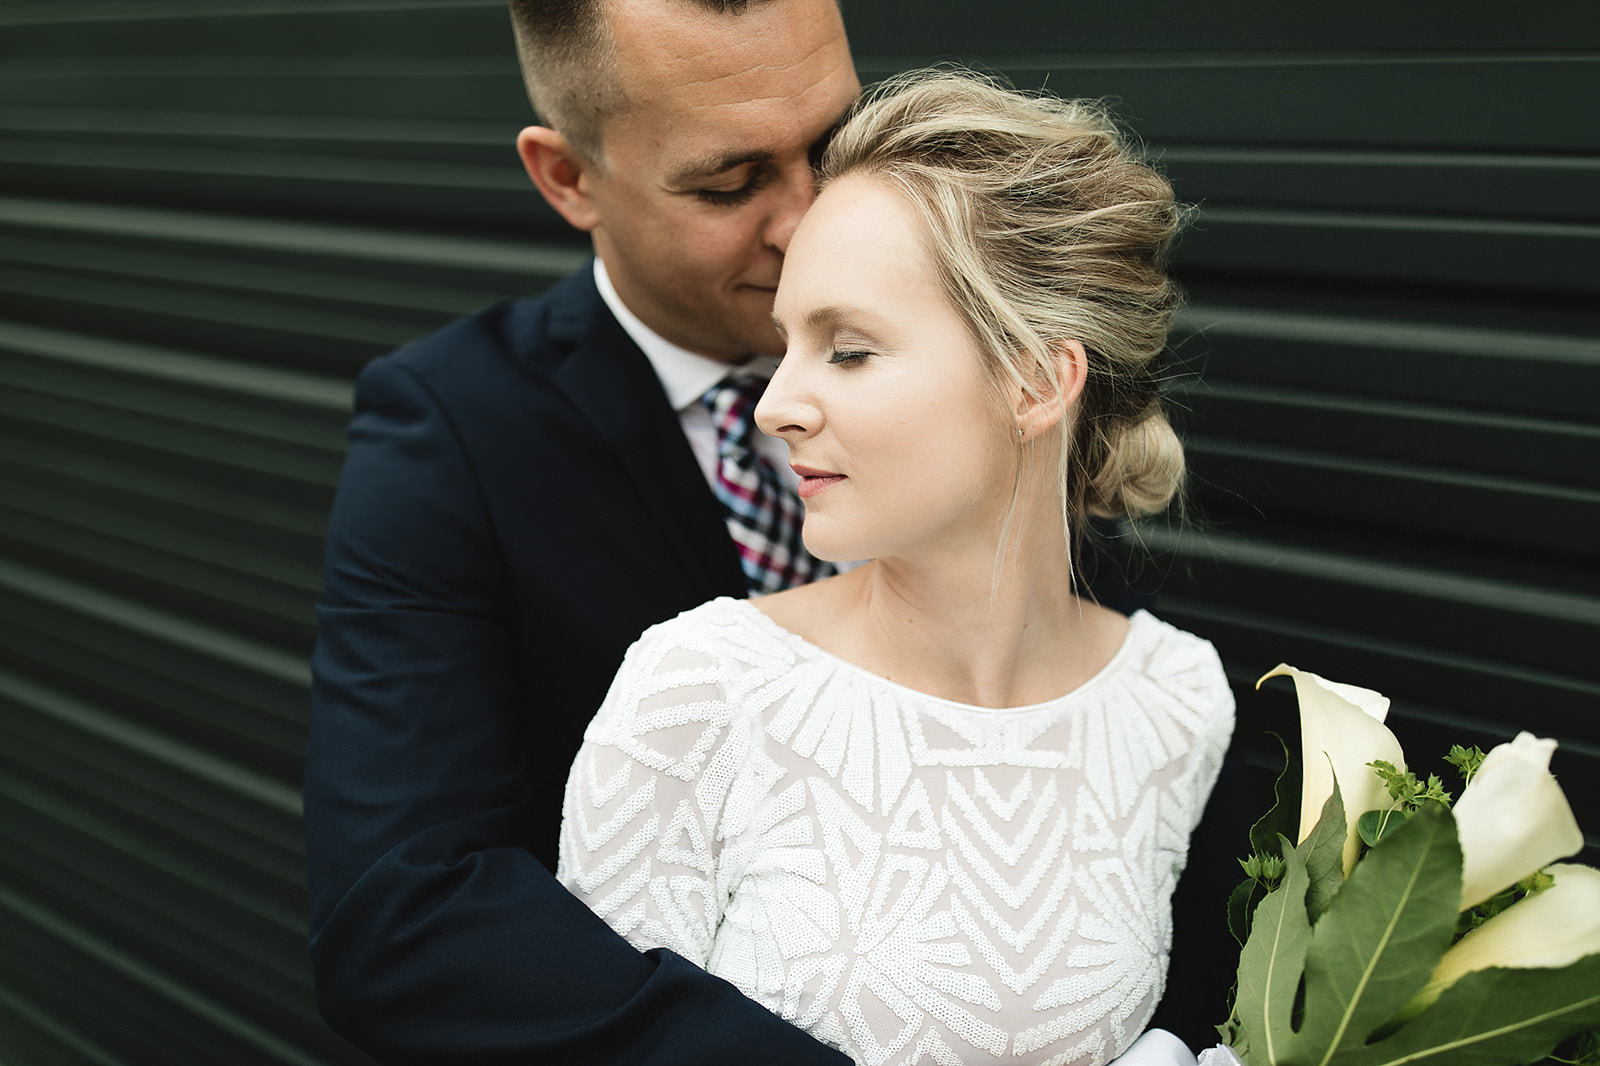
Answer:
(908, 878)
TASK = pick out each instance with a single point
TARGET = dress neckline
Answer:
(1138, 623)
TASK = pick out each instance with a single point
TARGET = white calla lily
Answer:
(1554, 928)
(1512, 819)
(1341, 730)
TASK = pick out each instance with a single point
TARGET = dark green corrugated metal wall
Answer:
(212, 213)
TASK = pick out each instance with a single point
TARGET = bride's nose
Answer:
(785, 410)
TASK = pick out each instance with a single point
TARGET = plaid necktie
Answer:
(764, 515)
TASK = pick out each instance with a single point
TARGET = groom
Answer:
(525, 492)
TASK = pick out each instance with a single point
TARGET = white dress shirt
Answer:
(686, 376)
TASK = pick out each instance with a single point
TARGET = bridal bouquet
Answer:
(1397, 928)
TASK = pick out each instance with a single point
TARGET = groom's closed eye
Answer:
(736, 193)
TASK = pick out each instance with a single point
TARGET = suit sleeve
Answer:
(435, 938)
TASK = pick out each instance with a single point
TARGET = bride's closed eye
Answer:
(848, 358)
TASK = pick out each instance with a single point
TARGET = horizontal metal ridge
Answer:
(332, 128)
(319, 283)
(1301, 458)
(56, 512)
(1480, 342)
(1379, 574)
(148, 978)
(35, 1015)
(314, 239)
(55, 819)
(1227, 61)
(1443, 415)
(1382, 221)
(181, 757)
(189, 491)
(51, 12)
(458, 176)
(1408, 651)
(144, 360)
(227, 827)
(242, 446)
(180, 632)
(1363, 157)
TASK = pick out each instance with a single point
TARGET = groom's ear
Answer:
(560, 173)
(1048, 396)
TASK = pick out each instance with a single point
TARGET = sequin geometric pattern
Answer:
(764, 514)
(909, 879)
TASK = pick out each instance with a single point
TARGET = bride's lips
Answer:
(813, 481)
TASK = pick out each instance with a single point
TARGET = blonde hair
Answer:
(1044, 225)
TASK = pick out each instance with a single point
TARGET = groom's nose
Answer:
(798, 190)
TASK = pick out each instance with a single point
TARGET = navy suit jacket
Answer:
(517, 505)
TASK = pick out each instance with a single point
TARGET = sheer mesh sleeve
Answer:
(643, 809)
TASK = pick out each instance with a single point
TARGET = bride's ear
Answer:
(1047, 397)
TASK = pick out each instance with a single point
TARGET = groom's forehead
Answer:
(708, 83)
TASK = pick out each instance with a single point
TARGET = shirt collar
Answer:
(685, 375)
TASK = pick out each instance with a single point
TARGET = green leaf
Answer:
(1283, 819)
(1228, 1033)
(1493, 1017)
(1381, 938)
(1270, 965)
(1375, 825)
(1466, 760)
(1323, 852)
(1242, 903)
(1579, 1049)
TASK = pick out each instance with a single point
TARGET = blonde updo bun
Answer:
(1044, 225)
(1141, 470)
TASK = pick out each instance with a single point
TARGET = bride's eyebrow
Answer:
(818, 317)
(832, 316)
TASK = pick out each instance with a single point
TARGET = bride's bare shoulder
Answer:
(1104, 620)
(810, 609)
(1105, 631)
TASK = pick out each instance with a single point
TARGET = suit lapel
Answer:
(611, 382)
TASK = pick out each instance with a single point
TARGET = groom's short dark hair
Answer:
(569, 64)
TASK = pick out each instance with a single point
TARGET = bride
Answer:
(933, 809)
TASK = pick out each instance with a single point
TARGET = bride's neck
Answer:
(1001, 635)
